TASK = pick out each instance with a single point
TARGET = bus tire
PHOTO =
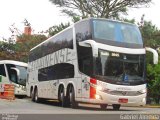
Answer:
(62, 98)
(32, 95)
(73, 103)
(116, 106)
(103, 106)
(36, 98)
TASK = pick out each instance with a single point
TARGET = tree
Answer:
(20, 51)
(150, 34)
(57, 28)
(29, 41)
(98, 8)
(153, 77)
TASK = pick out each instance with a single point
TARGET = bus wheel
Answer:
(116, 106)
(73, 103)
(62, 98)
(36, 96)
(32, 95)
(103, 106)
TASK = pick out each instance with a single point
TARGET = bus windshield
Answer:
(13, 74)
(117, 33)
(120, 68)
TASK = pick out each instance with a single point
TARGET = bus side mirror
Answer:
(17, 70)
(83, 44)
(15, 74)
(155, 54)
(90, 43)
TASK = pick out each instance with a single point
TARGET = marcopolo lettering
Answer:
(60, 56)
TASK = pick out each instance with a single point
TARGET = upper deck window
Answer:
(117, 33)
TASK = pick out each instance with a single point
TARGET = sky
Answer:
(42, 14)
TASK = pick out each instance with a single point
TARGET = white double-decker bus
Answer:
(95, 61)
(14, 72)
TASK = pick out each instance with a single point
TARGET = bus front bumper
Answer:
(105, 98)
(19, 91)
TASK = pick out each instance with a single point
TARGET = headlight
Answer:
(100, 88)
(143, 91)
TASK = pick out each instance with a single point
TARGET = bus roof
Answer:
(87, 19)
(13, 62)
(91, 18)
(50, 38)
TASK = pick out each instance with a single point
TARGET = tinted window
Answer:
(58, 71)
(2, 70)
(13, 70)
(85, 57)
(83, 31)
(58, 42)
(85, 60)
(117, 33)
(12, 73)
(120, 68)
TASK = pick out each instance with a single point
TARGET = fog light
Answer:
(98, 96)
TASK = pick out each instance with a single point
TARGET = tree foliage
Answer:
(153, 76)
(98, 8)
(150, 34)
(57, 28)
(20, 51)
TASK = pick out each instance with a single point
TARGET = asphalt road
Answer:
(25, 109)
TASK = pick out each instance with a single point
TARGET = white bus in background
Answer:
(95, 61)
(14, 72)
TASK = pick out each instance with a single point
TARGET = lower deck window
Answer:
(58, 71)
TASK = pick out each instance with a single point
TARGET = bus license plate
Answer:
(123, 100)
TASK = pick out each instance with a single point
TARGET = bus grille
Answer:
(124, 93)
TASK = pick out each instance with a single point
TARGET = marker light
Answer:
(93, 83)
(99, 88)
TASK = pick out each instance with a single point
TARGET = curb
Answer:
(151, 106)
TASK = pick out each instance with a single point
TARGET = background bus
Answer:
(14, 72)
(96, 61)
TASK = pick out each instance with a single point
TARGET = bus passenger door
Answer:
(86, 71)
(82, 91)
